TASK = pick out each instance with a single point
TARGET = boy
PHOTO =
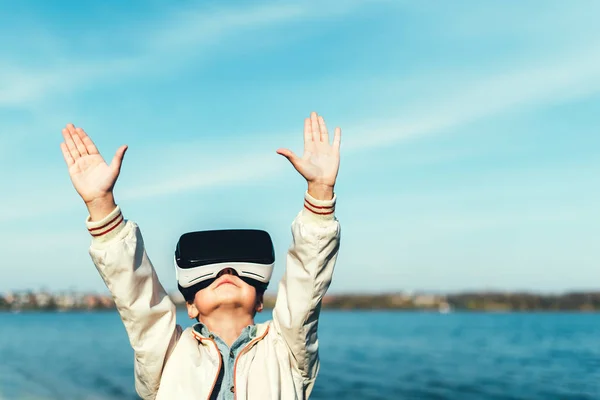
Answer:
(225, 355)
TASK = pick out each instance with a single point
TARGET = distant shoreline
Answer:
(342, 310)
(492, 302)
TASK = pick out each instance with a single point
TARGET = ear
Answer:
(192, 310)
(259, 302)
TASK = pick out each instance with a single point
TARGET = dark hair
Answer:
(190, 293)
(261, 291)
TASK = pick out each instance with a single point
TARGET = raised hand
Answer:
(91, 176)
(321, 160)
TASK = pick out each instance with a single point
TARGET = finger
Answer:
(337, 138)
(79, 144)
(66, 154)
(70, 144)
(308, 138)
(117, 160)
(323, 130)
(314, 127)
(76, 140)
(87, 141)
(293, 158)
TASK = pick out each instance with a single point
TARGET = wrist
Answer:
(106, 229)
(320, 191)
(318, 210)
(100, 207)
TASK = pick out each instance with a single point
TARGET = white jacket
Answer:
(282, 362)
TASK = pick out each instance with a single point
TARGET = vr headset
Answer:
(200, 256)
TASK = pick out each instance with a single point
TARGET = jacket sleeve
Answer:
(147, 312)
(309, 269)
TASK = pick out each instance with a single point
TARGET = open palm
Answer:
(92, 177)
(320, 162)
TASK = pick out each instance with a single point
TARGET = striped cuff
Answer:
(320, 209)
(108, 227)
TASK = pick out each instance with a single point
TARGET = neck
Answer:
(228, 326)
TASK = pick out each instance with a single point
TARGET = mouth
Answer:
(225, 281)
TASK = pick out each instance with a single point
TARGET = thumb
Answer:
(117, 160)
(293, 158)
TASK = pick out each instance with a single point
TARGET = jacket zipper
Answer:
(218, 370)
(201, 339)
(244, 350)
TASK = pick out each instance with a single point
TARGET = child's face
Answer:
(227, 292)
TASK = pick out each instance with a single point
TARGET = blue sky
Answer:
(470, 150)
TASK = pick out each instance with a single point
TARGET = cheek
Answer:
(202, 297)
(250, 294)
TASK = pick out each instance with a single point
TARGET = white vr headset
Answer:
(188, 277)
(200, 256)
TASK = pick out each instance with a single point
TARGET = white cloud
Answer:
(234, 170)
(525, 87)
(23, 86)
(183, 167)
(155, 47)
(562, 78)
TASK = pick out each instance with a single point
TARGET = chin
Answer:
(228, 292)
(229, 298)
(225, 297)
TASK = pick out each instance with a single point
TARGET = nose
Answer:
(228, 270)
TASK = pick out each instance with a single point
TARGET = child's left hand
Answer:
(320, 163)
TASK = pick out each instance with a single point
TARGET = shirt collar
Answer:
(200, 328)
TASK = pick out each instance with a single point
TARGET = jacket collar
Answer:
(200, 332)
(203, 331)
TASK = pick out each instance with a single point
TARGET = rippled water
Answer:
(365, 355)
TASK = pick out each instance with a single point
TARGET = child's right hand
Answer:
(93, 179)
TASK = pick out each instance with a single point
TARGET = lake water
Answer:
(365, 355)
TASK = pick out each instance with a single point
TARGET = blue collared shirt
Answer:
(224, 388)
